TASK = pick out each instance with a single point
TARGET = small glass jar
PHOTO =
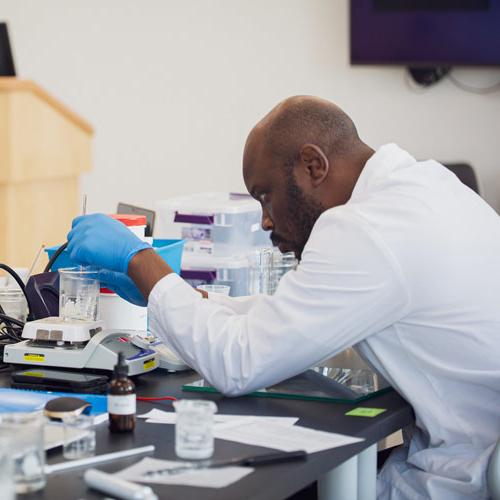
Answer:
(194, 438)
(13, 303)
(79, 437)
(7, 469)
(25, 430)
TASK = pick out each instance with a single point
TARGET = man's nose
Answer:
(267, 223)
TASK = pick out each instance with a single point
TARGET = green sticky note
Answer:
(365, 412)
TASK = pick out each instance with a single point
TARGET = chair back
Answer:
(465, 173)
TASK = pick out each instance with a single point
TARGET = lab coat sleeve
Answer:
(348, 286)
(240, 305)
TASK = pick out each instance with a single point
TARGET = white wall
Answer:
(173, 87)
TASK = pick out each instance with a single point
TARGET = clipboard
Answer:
(333, 385)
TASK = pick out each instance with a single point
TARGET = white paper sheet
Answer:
(280, 437)
(156, 416)
(204, 478)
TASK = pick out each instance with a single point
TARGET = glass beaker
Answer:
(7, 469)
(194, 428)
(282, 263)
(13, 303)
(260, 266)
(79, 293)
(79, 437)
(25, 431)
(267, 266)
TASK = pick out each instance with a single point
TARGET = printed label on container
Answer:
(199, 247)
(196, 233)
(121, 405)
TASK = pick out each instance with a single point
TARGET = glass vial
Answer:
(121, 399)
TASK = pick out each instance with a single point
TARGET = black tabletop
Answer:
(268, 482)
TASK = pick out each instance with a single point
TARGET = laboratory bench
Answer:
(346, 472)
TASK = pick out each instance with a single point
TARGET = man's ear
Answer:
(315, 162)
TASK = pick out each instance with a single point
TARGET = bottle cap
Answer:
(121, 368)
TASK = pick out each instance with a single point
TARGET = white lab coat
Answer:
(409, 272)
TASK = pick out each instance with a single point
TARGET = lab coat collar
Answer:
(381, 164)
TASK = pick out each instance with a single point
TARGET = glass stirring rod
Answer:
(84, 212)
(84, 207)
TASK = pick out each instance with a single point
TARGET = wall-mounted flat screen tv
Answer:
(425, 32)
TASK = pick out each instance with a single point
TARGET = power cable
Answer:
(473, 89)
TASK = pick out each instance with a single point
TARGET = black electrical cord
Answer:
(11, 328)
(11, 335)
(473, 89)
(54, 257)
(14, 321)
(13, 273)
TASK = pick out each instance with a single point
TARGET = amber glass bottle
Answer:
(121, 399)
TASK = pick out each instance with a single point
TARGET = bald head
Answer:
(303, 119)
(301, 159)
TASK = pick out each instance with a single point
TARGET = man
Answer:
(397, 257)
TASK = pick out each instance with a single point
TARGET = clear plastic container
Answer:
(194, 428)
(25, 430)
(79, 294)
(13, 303)
(213, 224)
(266, 268)
(205, 270)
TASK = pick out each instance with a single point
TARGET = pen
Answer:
(252, 461)
(98, 459)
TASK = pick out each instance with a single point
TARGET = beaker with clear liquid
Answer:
(79, 293)
(194, 438)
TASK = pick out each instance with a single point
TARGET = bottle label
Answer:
(121, 405)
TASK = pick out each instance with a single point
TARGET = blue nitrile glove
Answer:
(98, 240)
(122, 285)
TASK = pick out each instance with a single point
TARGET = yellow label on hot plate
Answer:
(34, 374)
(31, 356)
(149, 364)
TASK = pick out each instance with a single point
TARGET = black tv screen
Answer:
(425, 32)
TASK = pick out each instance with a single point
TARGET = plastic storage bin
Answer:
(169, 250)
(212, 224)
(232, 271)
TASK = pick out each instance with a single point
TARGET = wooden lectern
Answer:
(44, 147)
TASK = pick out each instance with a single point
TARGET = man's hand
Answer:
(146, 269)
(101, 241)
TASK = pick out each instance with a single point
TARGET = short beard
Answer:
(303, 212)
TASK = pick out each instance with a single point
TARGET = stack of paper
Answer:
(278, 433)
(165, 417)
